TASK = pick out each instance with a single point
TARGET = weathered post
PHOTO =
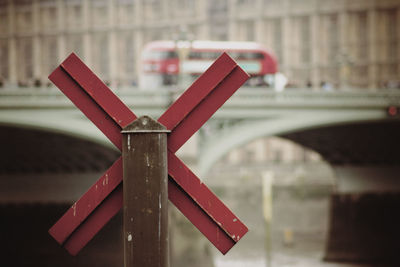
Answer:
(145, 194)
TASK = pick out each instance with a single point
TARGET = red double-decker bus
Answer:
(168, 62)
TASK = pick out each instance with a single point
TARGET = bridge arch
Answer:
(52, 144)
(248, 130)
(68, 122)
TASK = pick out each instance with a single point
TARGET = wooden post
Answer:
(145, 194)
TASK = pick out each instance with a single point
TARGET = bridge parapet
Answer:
(46, 98)
(245, 98)
(301, 98)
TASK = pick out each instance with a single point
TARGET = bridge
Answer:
(45, 139)
(250, 114)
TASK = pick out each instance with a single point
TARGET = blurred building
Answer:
(339, 42)
(36, 35)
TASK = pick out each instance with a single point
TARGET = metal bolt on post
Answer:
(145, 193)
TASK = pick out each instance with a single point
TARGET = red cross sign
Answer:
(183, 118)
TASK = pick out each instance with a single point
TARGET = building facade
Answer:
(340, 42)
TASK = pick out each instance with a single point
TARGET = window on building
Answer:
(130, 55)
(24, 16)
(99, 13)
(193, 32)
(125, 11)
(359, 72)
(74, 43)
(23, 2)
(3, 18)
(333, 38)
(276, 26)
(3, 59)
(277, 155)
(273, 4)
(126, 58)
(388, 45)
(152, 9)
(329, 31)
(184, 8)
(392, 34)
(153, 35)
(48, 15)
(246, 3)
(74, 14)
(24, 60)
(218, 16)
(356, 57)
(301, 38)
(362, 54)
(304, 42)
(248, 30)
(100, 55)
(49, 54)
(358, 37)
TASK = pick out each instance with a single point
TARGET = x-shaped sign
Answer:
(183, 118)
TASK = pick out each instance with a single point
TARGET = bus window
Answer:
(194, 55)
(204, 55)
(245, 55)
(158, 55)
(248, 56)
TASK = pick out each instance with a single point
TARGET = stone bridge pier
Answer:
(364, 217)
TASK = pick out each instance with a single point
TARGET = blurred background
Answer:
(306, 153)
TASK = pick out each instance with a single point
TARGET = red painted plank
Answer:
(95, 222)
(197, 91)
(86, 104)
(205, 109)
(205, 199)
(89, 201)
(198, 218)
(98, 91)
